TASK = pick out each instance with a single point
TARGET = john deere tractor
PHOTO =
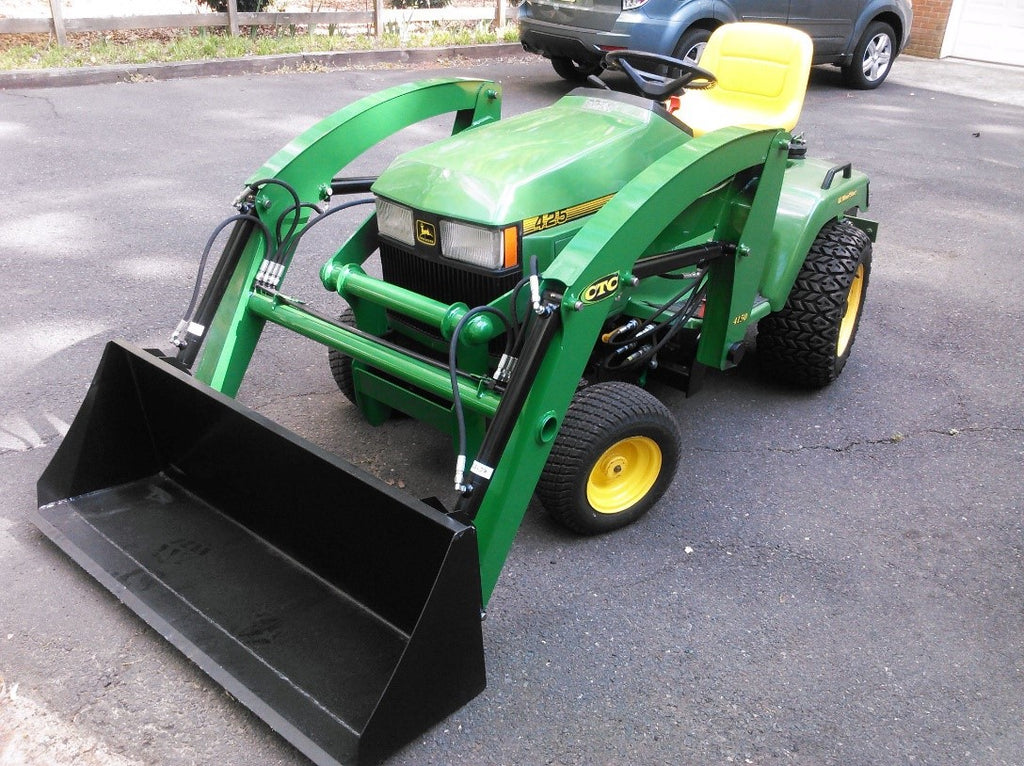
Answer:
(536, 273)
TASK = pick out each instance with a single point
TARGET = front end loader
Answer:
(536, 273)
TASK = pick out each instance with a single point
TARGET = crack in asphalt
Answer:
(44, 99)
(895, 438)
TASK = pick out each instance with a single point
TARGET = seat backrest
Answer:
(762, 72)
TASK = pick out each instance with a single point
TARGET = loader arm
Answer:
(610, 244)
(308, 164)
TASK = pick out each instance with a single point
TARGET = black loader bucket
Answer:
(343, 613)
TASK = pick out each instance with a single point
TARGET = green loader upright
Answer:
(536, 273)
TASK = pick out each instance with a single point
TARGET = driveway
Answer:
(833, 578)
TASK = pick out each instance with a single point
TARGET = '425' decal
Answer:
(536, 223)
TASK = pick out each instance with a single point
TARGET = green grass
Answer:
(189, 46)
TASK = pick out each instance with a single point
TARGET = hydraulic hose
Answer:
(460, 415)
(631, 349)
(189, 333)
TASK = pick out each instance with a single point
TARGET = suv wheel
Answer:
(692, 44)
(872, 58)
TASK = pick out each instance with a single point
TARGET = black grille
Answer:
(441, 281)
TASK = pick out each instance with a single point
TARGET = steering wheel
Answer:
(657, 86)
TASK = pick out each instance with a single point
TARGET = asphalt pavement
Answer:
(833, 578)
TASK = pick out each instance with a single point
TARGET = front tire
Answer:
(872, 58)
(613, 459)
(341, 363)
(808, 342)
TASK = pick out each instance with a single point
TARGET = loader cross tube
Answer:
(389, 360)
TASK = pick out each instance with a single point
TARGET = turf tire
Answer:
(341, 363)
(600, 419)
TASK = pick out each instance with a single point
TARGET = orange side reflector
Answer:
(511, 235)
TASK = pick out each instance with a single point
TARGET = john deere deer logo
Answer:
(426, 233)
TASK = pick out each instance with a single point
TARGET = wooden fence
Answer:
(378, 18)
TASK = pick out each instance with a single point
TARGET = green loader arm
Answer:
(307, 164)
(610, 244)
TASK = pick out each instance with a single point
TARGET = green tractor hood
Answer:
(585, 146)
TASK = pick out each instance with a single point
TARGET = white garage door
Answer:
(986, 30)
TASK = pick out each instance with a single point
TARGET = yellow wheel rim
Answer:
(624, 474)
(849, 321)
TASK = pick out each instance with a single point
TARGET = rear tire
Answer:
(574, 71)
(872, 58)
(613, 459)
(808, 342)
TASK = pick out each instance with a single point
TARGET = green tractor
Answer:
(536, 273)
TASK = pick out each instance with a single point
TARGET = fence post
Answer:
(500, 17)
(378, 17)
(58, 23)
(233, 18)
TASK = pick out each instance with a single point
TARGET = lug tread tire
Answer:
(599, 416)
(798, 344)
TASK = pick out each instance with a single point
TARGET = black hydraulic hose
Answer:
(676, 323)
(532, 279)
(272, 269)
(209, 246)
(668, 329)
(613, 338)
(697, 287)
(514, 302)
(290, 245)
(295, 221)
(190, 332)
(453, 371)
(257, 185)
(535, 348)
(275, 254)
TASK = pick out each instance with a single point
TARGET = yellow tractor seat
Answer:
(761, 71)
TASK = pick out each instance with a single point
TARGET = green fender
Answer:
(804, 208)
(308, 163)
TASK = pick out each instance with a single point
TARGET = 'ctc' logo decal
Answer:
(600, 289)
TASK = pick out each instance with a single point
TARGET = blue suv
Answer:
(862, 37)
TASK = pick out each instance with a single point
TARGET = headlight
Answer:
(471, 244)
(394, 221)
(487, 248)
(493, 249)
(630, 5)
